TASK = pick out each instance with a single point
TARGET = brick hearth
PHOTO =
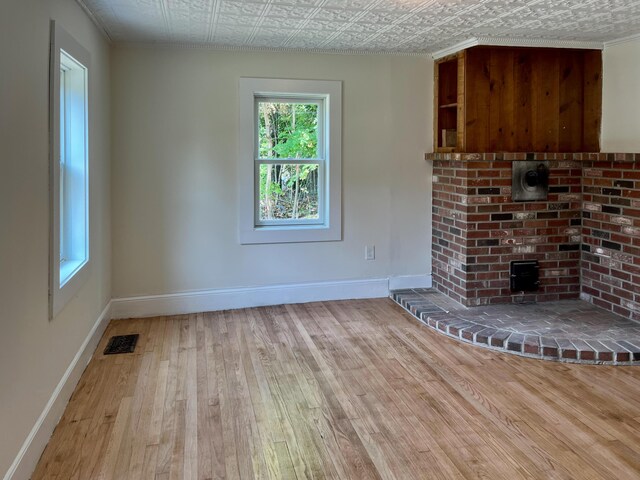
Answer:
(568, 330)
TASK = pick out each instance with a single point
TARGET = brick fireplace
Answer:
(585, 235)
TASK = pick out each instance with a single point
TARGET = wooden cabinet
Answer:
(511, 99)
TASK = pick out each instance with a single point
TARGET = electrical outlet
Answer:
(370, 252)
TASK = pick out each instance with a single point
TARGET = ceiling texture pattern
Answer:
(394, 26)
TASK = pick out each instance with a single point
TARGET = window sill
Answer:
(289, 234)
(68, 269)
(72, 275)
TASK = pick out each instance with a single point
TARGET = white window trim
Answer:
(76, 272)
(329, 228)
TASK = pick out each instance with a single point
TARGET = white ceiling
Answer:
(403, 26)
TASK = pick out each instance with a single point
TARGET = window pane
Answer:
(288, 130)
(63, 131)
(289, 191)
(73, 225)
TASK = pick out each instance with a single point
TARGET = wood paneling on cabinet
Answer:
(524, 100)
(571, 92)
(476, 112)
(592, 100)
(545, 99)
(523, 77)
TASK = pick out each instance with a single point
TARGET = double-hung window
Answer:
(290, 149)
(70, 167)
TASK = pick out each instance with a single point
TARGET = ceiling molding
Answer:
(445, 52)
(233, 48)
(540, 42)
(518, 42)
(96, 22)
(619, 41)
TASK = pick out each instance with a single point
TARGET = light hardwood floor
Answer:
(353, 389)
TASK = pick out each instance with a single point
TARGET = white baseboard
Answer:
(401, 282)
(32, 448)
(230, 298)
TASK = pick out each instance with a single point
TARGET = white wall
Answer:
(34, 352)
(621, 98)
(175, 116)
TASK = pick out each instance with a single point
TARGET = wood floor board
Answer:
(347, 390)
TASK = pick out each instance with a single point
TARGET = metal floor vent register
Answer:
(121, 344)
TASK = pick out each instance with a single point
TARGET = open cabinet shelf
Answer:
(449, 82)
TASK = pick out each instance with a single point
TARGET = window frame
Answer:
(328, 94)
(67, 275)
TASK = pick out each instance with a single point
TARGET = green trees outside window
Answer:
(288, 160)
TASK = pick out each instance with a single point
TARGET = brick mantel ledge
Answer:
(594, 157)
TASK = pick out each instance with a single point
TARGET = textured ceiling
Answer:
(407, 26)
